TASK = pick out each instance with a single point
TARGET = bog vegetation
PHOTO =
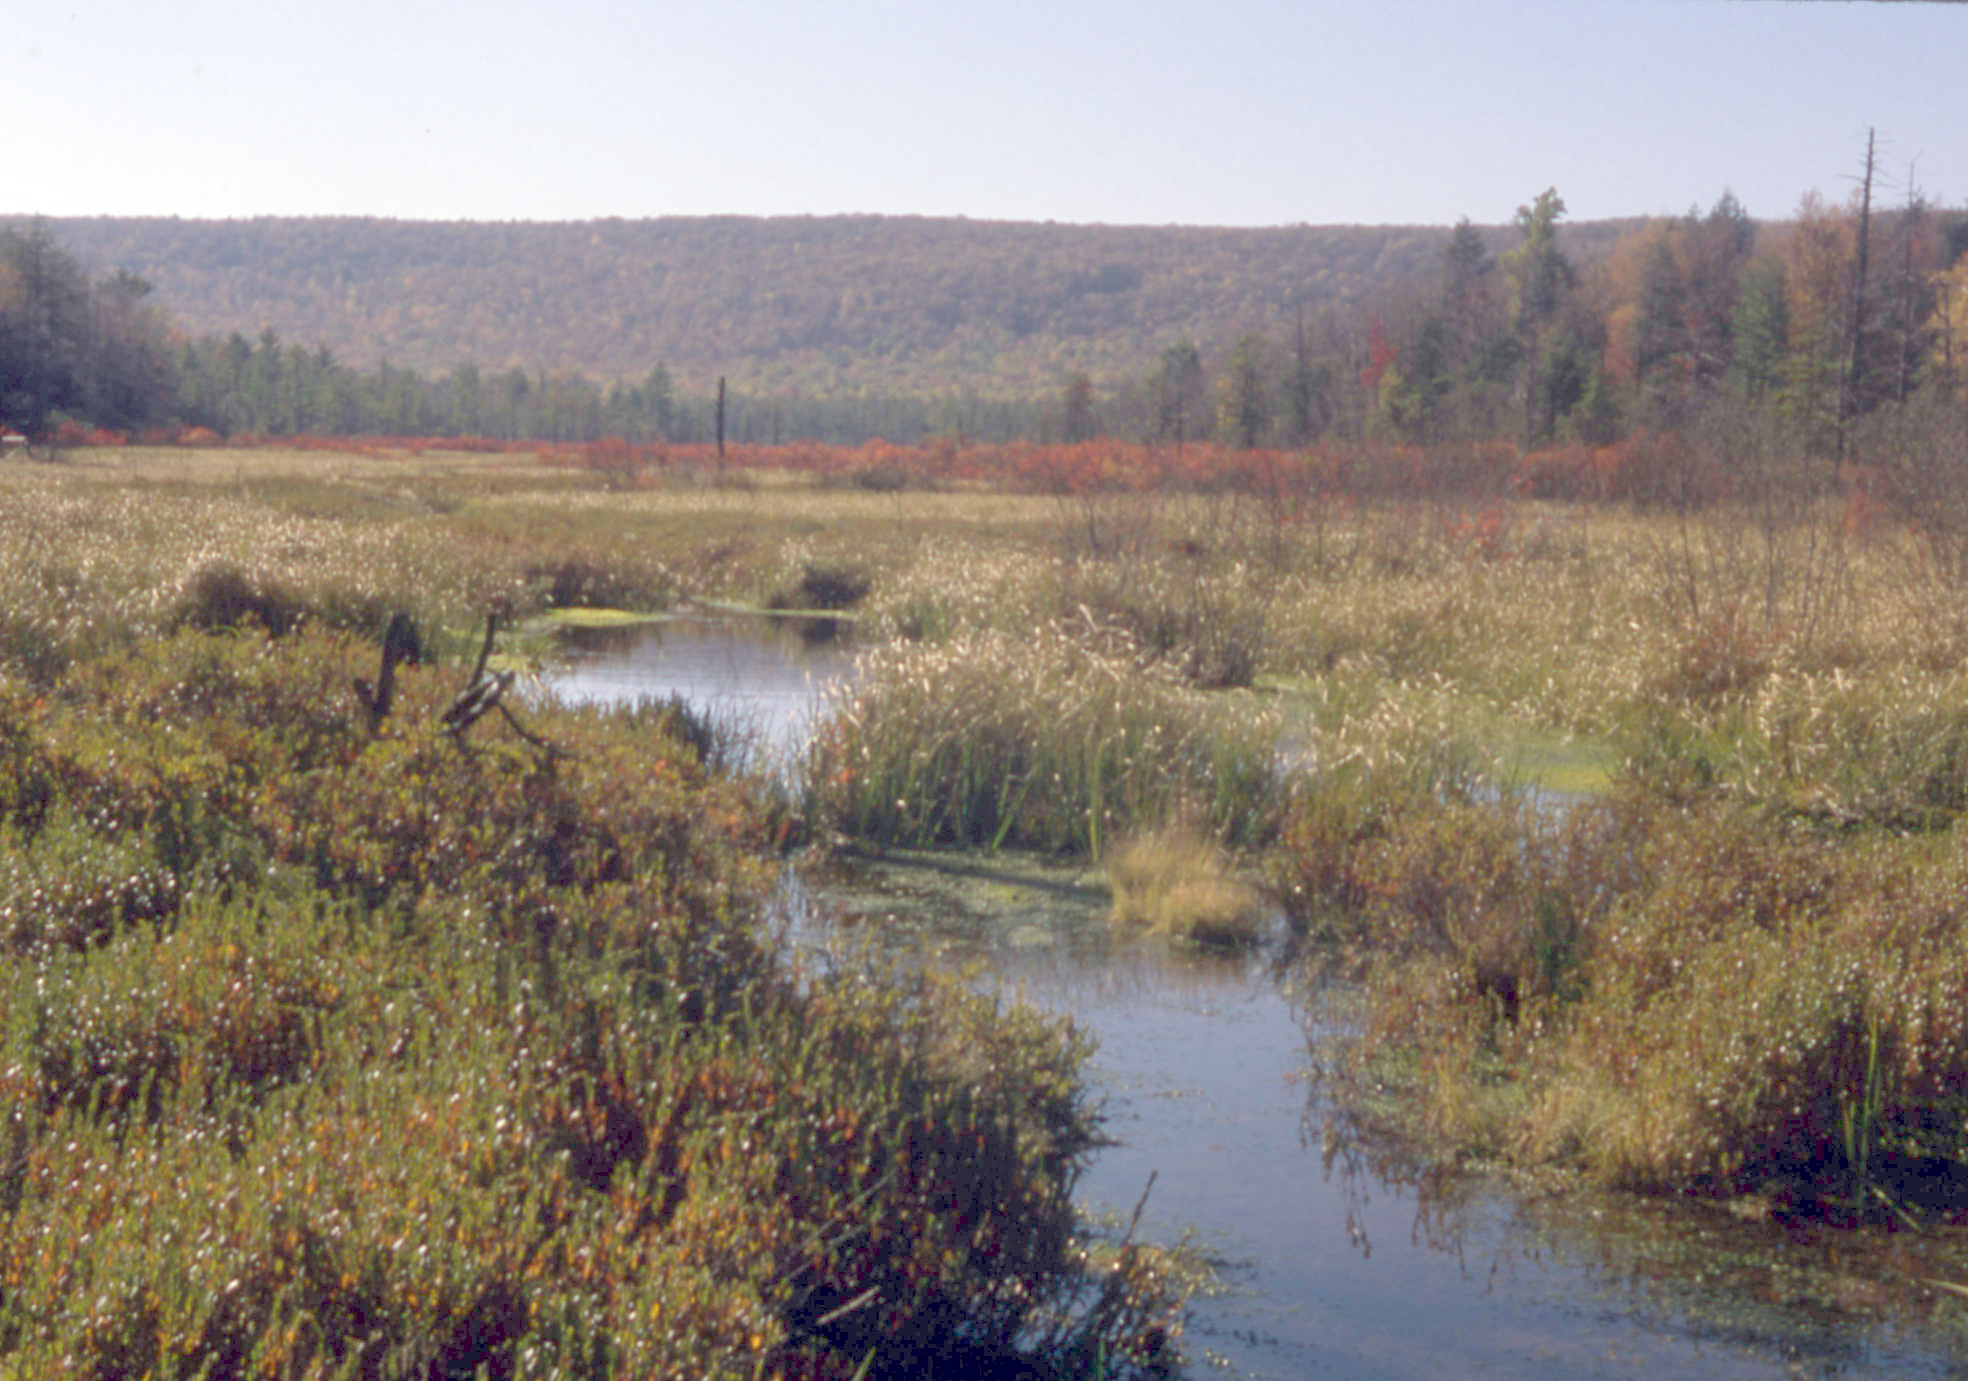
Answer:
(344, 1049)
(1586, 694)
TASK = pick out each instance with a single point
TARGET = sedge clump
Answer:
(1175, 881)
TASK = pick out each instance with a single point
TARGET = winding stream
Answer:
(1327, 1268)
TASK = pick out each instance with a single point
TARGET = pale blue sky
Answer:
(1231, 112)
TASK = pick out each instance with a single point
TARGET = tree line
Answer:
(104, 355)
(70, 347)
(1816, 321)
(265, 388)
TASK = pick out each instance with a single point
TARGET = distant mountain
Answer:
(823, 305)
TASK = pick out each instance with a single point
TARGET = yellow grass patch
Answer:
(1173, 881)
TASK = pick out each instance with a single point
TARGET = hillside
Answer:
(821, 305)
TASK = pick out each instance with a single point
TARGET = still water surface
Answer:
(1327, 1268)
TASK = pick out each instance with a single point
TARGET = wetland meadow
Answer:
(1561, 893)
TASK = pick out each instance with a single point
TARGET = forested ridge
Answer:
(846, 329)
(819, 305)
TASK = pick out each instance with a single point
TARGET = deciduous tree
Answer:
(1948, 326)
(1715, 250)
(1817, 259)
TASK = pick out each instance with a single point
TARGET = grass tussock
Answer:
(1174, 881)
(1044, 742)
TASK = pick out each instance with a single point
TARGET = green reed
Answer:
(1043, 742)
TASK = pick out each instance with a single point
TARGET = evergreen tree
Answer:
(1076, 412)
(466, 401)
(1243, 402)
(1542, 278)
(1660, 330)
(1412, 393)
(1760, 328)
(129, 368)
(44, 330)
(1540, 270)
(1178, 392)
(659, 402)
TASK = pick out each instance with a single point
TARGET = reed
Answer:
(1042, 742)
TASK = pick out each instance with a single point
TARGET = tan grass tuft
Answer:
(1175, 881)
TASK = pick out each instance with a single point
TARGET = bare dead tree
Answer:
(720, 423)
(401, 643)
(485, 693)
(1848, 398)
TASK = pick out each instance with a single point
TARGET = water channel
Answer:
(1327, 1267)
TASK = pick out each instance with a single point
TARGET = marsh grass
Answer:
(1732, 966)
(1204, 619)
(1042, 742)
(1670, 999)
(336, 1051)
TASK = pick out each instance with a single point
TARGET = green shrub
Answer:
(223, 596)
(823, 587)
(601, 580)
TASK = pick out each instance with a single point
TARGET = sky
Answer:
(1231, 112)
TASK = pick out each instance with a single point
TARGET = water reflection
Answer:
(760, 677)
(1336, 1259)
